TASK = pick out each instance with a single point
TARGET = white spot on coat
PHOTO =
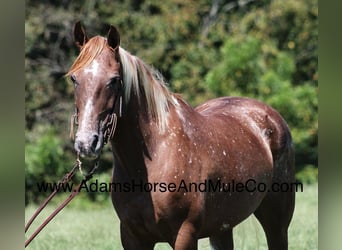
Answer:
(93, 68)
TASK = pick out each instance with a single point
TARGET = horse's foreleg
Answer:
(187, 237)
(222, 240)
(130, 241)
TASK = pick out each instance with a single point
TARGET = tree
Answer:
(276, 64)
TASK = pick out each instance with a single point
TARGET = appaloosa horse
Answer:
(188, 173)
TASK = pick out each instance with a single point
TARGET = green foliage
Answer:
(44, 155)
(239, 69)
(308, 175)
(262, 61)
(264, 49)
(43, 159)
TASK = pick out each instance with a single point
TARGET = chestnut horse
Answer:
(167, 154)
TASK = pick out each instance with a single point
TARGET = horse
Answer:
(189, 173)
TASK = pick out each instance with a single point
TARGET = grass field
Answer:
(98, 228)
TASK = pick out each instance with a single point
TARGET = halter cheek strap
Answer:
(120, 107)
(109, 123)
(73, 122)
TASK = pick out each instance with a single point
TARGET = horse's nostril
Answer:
(95, 140)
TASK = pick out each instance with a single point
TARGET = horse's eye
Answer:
(73, 79)
(113, 82)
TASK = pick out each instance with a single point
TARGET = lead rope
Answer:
(76, 191)
(65, 179)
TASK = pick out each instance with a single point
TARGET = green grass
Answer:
(98, 228)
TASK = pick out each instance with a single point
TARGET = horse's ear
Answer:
(80, 36)
(113, 37)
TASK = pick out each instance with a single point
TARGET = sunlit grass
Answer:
(98, 228)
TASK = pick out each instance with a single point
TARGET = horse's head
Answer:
(96, 75)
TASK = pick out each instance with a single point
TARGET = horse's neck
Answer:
(138, 134)
(135, 135)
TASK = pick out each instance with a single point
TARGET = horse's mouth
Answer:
(89, 155)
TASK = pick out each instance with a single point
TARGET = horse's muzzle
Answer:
(89, 146)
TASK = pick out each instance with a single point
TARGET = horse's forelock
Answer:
(88, 53)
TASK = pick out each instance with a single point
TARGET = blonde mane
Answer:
(136, 76)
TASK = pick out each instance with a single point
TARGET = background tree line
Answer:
(265, 49)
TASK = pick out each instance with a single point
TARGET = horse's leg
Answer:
(130, 241)
(187, 237)
(276, 210)
(222, 240)
(274, 214)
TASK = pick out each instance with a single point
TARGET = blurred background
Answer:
(262, 49)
